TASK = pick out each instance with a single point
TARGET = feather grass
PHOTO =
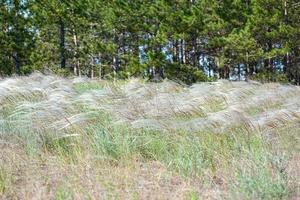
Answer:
(211, 140)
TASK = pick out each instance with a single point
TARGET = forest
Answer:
(183, 40)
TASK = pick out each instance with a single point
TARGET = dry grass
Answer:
(87, 139)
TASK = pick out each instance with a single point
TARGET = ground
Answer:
(76, 138)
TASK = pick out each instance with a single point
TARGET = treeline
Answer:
(188, 40)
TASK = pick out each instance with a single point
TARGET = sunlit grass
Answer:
(85, 87)
(76, 140)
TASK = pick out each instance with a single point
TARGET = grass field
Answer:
(87, 139)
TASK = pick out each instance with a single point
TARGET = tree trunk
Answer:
(100, 71)
(239, 71)
(194, 58)
(100, 66)
(62, 43)
(227, 72)
(247, 66)
(114, 67)
(17, 36)
(183, 58)
(92, 72)
(76, 60)
(175, 52)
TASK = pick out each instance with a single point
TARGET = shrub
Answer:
(271, 77)
(185, 73)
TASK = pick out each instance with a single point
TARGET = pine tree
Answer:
(177, 39)
(16, 38)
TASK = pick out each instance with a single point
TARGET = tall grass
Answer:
(81, 136)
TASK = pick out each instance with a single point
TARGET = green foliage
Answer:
(135, 68)
(271, 77)
(26, 70)
(185, 73)
(16, 36)
(123, 75)
(131, 37)
(62, 72)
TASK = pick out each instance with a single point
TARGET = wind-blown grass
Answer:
(87, 139)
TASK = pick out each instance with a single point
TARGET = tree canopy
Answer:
(187, 40)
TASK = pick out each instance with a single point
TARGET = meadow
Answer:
(77, 138)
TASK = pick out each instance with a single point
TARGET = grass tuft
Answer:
(224, 140)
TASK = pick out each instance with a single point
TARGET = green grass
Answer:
(5, 181)
(103, 154)
(263, 107)
(259, 183)
(193, 195)
(64, 193)
(85, 87)
(236, 151)
(215, 104)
